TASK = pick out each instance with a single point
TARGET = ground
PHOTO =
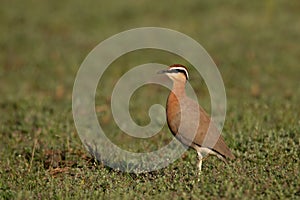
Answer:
(255, 46)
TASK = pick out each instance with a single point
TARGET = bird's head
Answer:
(176, 72)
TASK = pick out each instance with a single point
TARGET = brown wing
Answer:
(209, 136)
(186, 121)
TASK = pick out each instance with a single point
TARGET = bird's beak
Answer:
(163, 71)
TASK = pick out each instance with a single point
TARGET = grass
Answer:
(255, 46)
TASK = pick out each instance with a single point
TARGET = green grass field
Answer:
(255, 46)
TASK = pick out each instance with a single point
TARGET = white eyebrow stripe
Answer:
(181, 68)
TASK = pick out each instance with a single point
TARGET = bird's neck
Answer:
(179, 89)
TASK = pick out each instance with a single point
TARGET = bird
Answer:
(189, 122)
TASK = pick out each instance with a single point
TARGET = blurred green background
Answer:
(254, 44)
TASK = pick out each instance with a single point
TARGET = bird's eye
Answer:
(177, 71)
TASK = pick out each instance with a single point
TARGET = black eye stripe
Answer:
(179, 71)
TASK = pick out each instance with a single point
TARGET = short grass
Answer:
(255, 45)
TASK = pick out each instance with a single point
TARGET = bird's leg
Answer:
(200, 157)
(200, 165)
